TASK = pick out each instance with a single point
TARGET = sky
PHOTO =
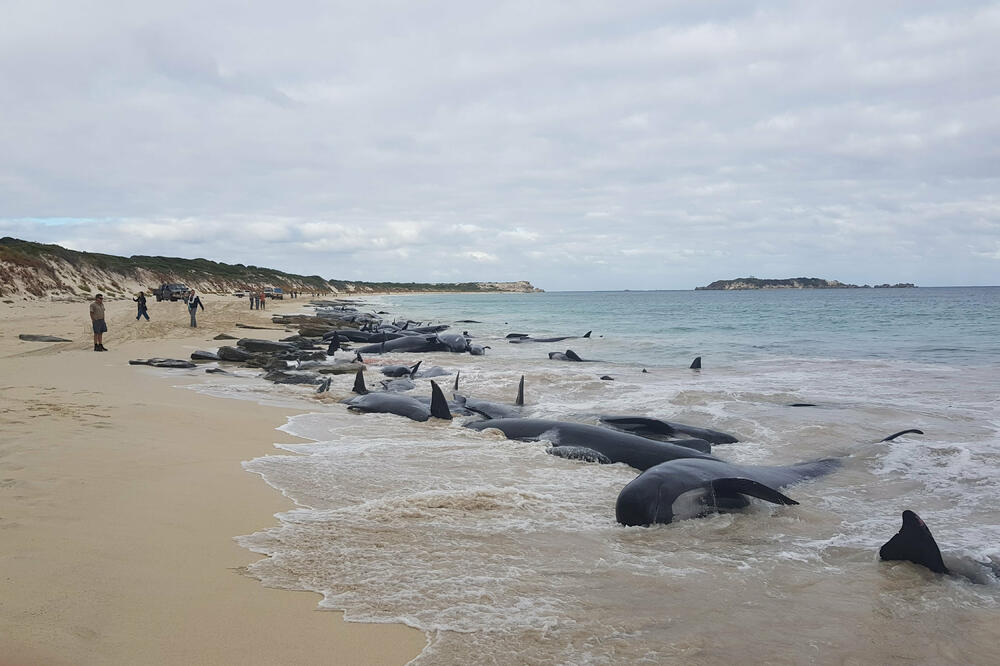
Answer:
(578, 145)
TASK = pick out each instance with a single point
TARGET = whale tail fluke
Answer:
(413, 370)
(439, 405)
(519, 401)
(696, 363)
(357, 358)
(902, 432)
(359, 383)
(914, 543)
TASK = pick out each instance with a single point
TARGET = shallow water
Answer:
(504, 554)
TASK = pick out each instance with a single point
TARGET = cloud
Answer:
(558, 146)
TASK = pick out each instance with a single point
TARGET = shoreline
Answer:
(122, 496)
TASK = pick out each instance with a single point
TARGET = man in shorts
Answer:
(97, 320)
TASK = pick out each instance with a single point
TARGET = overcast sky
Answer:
(579, 145)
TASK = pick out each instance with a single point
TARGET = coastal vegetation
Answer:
(34, 269)
(793, 283)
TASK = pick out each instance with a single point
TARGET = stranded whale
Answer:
(402, 405)
(914, 543)
(656, 429)
(688, 488)
(605, 444)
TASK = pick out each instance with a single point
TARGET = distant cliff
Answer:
(35, 270)
(793, 283)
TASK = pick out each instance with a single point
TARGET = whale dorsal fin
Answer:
(519, 401)
(914, 543)
(587, 334)
(696, 363)
(728, 486)
(572, 355)
(439, 406)
(359, 383)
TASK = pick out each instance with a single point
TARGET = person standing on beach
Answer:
(97, 322)
(253, 300)
(193, 303)
(141, 303)
(261, 301)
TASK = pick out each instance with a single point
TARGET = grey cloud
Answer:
(512, 140)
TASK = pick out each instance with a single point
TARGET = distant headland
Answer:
(31, 270)
(795, 283)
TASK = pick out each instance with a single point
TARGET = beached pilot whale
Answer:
(688, 488)
(425, 342)
(400, 370)
(396, 403)
(606, 445)
(657, 429)
(914, 543)
(493, 410)
(569, 355)
(518, 338)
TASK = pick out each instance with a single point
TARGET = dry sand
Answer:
(120, 496)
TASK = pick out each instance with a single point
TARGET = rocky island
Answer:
(793, 283)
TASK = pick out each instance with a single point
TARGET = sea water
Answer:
(503, 554)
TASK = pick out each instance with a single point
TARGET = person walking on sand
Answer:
(97, 322)
(193, 303)
(141, 303)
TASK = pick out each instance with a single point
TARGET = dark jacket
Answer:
(194, 303)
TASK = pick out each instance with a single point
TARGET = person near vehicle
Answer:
(97, 322)
(140, 301)
(193, 302)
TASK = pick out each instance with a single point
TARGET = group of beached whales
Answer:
(679, 477)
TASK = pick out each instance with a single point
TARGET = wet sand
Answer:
(120, 496)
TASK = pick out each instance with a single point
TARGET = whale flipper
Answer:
(519, 401)
(578, 453)
(729, 486)
(696, 363)
(439, 405)
(902, 432)
(457, 375)
(359, 383)
(914, 543)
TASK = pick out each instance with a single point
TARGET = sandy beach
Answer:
(121, 495)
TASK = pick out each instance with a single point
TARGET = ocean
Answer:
(503, 554)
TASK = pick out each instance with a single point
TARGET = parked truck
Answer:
(171, 291)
